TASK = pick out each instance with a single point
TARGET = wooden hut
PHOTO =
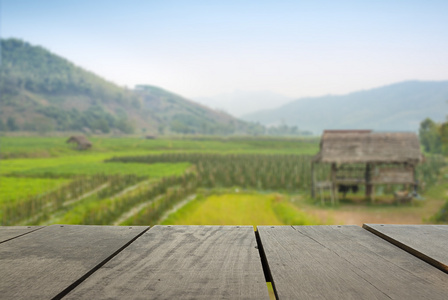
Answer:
(81, 141)
(363, 157)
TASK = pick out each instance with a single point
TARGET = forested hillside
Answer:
(43, 92)
(177, 114)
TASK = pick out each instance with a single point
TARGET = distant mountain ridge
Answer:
(396, 107)
(41, 91)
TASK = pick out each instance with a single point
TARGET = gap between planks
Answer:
(408, 248)
(94, 269)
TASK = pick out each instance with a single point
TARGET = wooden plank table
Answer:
(428, 242)
(221, 262)
(345, 262)
(11, 232)
(47, 262)
(182, 262)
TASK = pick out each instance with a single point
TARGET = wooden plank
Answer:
(428, 242)
(345, 262)
(182, 262)
(52, 260)
(8, 233)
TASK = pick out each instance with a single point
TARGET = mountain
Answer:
(177, 114)
(239, 103)
(397, 107)
(41, 91)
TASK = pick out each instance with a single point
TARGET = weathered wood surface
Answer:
(394, 175)
(8, 233)
(182, 262)
(428, 242)
(47, 262)
(345, 262)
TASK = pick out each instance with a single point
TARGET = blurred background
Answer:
(199, 112)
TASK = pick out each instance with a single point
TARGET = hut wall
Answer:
(394, 175)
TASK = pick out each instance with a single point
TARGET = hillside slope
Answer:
(41, 91)
(240, 102)
(397, 107)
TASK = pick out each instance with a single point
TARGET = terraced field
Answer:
(138, 181)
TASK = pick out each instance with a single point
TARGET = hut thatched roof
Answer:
(82, 141)
(364, 146)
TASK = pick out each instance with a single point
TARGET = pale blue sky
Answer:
(203, 48)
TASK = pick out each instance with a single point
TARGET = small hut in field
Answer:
(363, 157)
(81, 141)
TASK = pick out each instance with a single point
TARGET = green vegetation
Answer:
(279, 172)
(103, 148)
(442, 215)
(428, 173)
(38, 84)
(265, 172)
(43, 92)
(69, 170)
(105, 210)
(239, 209)
(35, 69)
(137, 181)
(289, 214)
(439, 191)
(38, 206)
(434, 136)
(14, 189)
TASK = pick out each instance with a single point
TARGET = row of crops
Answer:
(99, 199)
(104, 199)
(36, 209)
(266, 172)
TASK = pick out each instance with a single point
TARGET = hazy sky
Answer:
(203, 48)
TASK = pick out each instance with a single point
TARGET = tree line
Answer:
(434, 136)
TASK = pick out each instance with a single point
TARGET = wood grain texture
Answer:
(345, 262)
(8, 233)
(45, 263)
(182, 262)
(428, 242)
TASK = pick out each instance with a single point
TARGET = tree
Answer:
(2, 125)
(444, 137)
(430, 136)
(11, 124)
(125, 126)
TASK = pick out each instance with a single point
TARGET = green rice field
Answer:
(14, 189)
(240, 209)
(44, 180)
(156, 170)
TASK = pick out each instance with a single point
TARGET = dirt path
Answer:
(88, 194)
(357, 214)
(53, 212)
(131, 188)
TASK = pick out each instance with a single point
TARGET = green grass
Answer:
(8, 166)
(440, 191)
(28, 147)
(290, 214)
(238, 209)
(52, 157)
(76, 214)
(156, 170)
(15, 189)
